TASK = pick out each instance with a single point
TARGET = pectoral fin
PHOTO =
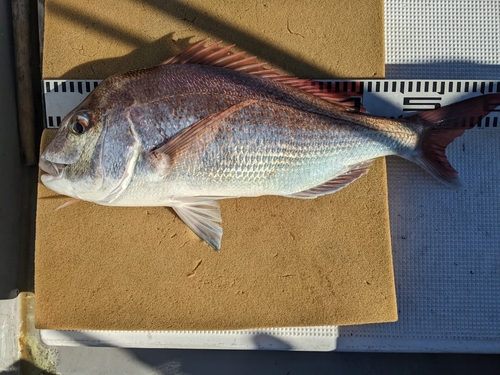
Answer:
(355, 171)
(194, 138)
(202, 215)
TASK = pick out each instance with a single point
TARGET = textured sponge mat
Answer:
(284, 262)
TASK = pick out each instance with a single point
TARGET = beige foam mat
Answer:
(283, 262)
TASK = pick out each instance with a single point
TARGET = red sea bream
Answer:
(210, 124)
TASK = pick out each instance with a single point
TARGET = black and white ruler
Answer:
(387, 98)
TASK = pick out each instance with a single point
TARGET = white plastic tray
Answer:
(299, 339)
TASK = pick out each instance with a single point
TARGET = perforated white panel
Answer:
(446, 244)
(445, 39)
(446, 249)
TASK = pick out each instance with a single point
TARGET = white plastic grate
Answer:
(446, 251)
(445, 39)
(446, 244)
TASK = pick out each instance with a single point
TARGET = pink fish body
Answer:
(210, 124)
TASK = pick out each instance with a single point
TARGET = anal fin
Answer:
(202, 215)
(335, 184)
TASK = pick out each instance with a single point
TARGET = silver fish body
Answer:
(186, 134)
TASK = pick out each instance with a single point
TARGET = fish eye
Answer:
(78, 128)
(79, 125)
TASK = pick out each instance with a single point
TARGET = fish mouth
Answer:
(53, 170)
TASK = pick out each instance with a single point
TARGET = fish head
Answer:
(95, 150)
(67, 160)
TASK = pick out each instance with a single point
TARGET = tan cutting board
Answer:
(283, 262)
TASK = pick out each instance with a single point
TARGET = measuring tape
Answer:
(385, 98)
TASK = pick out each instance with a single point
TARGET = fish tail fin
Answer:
(439, 127)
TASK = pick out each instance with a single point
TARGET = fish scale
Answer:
(265, 155)
(196, 129)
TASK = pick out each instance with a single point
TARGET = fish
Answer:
(210, 124)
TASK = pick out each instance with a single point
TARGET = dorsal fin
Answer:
(225, 58)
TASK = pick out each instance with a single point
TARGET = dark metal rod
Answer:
(25, 105)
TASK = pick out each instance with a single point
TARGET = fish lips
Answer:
(54, 170)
